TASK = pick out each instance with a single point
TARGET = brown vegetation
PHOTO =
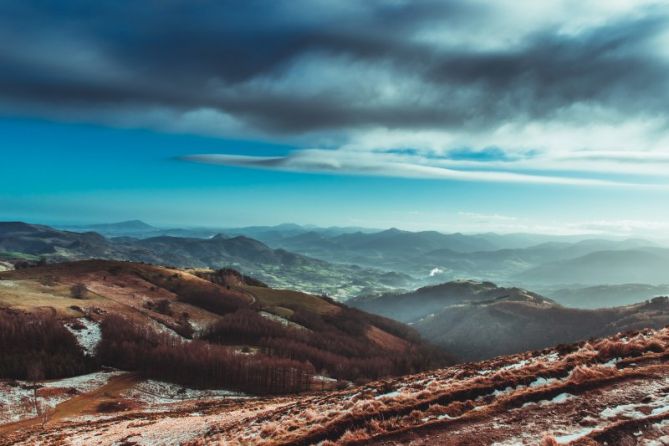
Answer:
(130, 346)
(29, 341)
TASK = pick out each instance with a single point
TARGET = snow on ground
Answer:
(324, 378)
(15, 402)
(612, 362)
(392, 394)
(564, 439)
(16, 396)
(541, 381)
(88, 337)
(281, 320)
(161, 328)
(657, 406)
(165, 432)
(518, 365)
(157, 392)
(7, 283)
(83, 383)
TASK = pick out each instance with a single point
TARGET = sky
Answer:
(470, 116)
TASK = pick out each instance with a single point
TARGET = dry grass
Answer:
(271, 298)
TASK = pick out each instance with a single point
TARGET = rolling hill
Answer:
(410, 307)
(477, 320)
(144, 306)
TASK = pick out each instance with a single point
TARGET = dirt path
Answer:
(85, 403)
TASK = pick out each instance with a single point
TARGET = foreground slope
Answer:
(612, 391)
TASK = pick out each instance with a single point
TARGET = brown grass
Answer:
(269, 297)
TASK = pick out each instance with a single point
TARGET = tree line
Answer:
(39, 343)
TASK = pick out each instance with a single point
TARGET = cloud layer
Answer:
(548, 92)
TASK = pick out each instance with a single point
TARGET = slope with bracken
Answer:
(611, 391)
(221, 318)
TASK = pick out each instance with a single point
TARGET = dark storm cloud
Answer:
(233, 56)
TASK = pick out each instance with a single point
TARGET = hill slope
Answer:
(476, 320)
(410, 307)
(143, 306)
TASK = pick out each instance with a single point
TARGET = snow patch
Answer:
(159, 392)
(282, 320)
(393, 394)
(517, 365)
(541, 381)
(561, 398)
(88, 337)
(16, 398)
(612, 362)
(564, 439)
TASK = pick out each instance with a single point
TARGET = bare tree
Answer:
(35, 375)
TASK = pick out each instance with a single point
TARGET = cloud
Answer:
(467, 90)
(342, 162)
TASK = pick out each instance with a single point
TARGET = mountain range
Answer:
(277, 267)
(348, 262)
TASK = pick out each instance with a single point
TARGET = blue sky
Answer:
(555, 119)
(81, 173)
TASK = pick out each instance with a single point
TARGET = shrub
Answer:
(79, 291)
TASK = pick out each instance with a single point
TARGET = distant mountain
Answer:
(604, 267)
(277, 267)
(38, 240)
(605, 296)
(139, 229)
(383, 248)
(129, 227)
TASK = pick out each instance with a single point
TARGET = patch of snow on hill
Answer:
(281, 320)
(16, 397)
(88, 337)
(158, 392)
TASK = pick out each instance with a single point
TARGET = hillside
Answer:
(477, 320)
(139, 307)
(478, 331)
(412, 306)
(611, 391)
